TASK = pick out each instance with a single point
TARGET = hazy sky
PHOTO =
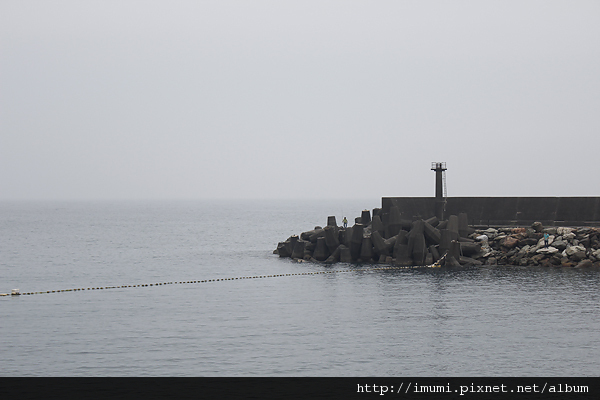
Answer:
(298, 99)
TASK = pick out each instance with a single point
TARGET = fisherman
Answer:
(546, 239)
(345, 221)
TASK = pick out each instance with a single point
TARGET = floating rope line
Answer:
(16, 292)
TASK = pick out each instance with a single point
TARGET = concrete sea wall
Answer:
(507, 211)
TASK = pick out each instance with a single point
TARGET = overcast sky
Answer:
(298, 99)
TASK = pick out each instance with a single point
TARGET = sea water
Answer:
(359, 321)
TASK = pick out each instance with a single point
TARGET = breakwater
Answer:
(390, 238)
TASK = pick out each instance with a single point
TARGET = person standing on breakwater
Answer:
(546, 238)
(345, 221)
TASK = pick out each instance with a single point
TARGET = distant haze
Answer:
(298, 99)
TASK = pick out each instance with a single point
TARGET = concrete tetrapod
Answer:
(365, 217)
(321, 252)
(356, 241)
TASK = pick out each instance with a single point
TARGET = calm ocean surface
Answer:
(502, 321)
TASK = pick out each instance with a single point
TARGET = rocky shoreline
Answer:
(389, 239)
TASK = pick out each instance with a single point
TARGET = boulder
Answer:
(562, 230)
(537, 226)
(509, 242)
(560, 244)
(575, 252)
(528, 242)
(584, 264)
(547, 250)
(491, 233)
(569, 237)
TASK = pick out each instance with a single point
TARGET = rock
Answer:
(550, 231)
(561, 230)
(492, 261)
(499, 238)
(523, 262)
(509, 242)
(567, 263)
(560, 244)
(528, 242)
(569, 236)
(547, 250)
(541, 243)
(575, 252)
(490, 232)
(469, 261)
(519, 231)
(537, 226)
(584, 264)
